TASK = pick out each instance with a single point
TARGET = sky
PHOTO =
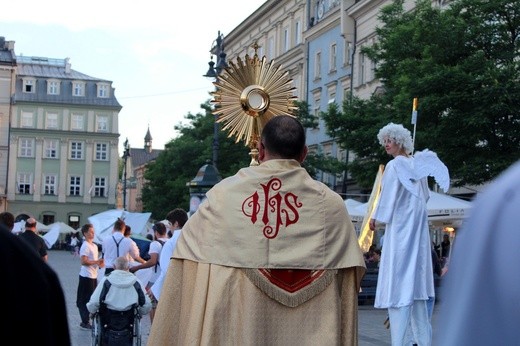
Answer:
(155, 52)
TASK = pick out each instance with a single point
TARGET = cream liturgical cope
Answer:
(406, 250)
(269, 258)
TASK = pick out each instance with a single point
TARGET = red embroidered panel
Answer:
(278, 210)
(291, 280)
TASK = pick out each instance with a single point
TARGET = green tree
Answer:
(463, 64)
(183, 157)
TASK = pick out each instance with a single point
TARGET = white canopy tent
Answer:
(443, 210)
(351, 203)
(104, 222)
(20, 227)
(62, 228)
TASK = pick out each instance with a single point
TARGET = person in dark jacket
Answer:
(33, 293)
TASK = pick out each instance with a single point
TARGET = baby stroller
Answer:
(117, 328)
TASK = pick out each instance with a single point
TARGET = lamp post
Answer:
(126, 155)
(217, 49)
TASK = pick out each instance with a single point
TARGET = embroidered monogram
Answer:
(278, 209)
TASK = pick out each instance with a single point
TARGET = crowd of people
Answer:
(271, 257)
(119, 255)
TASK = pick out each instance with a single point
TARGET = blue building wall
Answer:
(331, 85)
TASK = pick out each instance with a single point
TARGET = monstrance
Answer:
(248, 94)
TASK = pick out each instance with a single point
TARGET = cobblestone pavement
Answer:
(371, 329)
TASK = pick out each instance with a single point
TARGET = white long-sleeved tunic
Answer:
(405, 270)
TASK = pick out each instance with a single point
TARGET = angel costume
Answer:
(405, 269)
(269, 258)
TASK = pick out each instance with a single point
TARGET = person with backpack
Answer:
(160, 237)
(115, 298)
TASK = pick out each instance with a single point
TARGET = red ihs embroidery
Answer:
(278, 209)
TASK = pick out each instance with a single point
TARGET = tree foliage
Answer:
(463, 64)
(181, 159)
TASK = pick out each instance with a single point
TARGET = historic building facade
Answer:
(63, 143)
(7, 80)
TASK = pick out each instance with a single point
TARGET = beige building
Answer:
(63, 140)
(277, 27)
(7, 84)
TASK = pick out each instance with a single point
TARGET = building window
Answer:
(332, 97)
(317, 66)
(361, 69)
(76, 150)
(48, 219)
(27, 119)
(101, 151)
(75, 186)
(24, 183)
(347, 55)
(78, 89)
(74, 221)
(100, 187)
(51, 148)
(76, 122)
(260, 52)
(372, 69)
(53, 87)
(333, 54)
(102, 90)
(270, 48)
(346, 94)
(286, 39)
(49, 187)
(29, 85)
(317, 114)
(51, 121)
(101, 123)
(297, 32)
(26, 148)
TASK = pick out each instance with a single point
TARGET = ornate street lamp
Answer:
(217, 49)
(206, 178)
(126, 155)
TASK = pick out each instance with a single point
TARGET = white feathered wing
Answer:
(425, 163)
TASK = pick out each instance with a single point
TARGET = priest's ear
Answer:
(303, 155)
(261, 151)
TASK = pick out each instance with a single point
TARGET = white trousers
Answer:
(415, 317)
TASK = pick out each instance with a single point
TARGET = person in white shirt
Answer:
(159, 233)
(74, 245)
(117, 245)
(90, 263)
(176, 220)
(127, 233)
